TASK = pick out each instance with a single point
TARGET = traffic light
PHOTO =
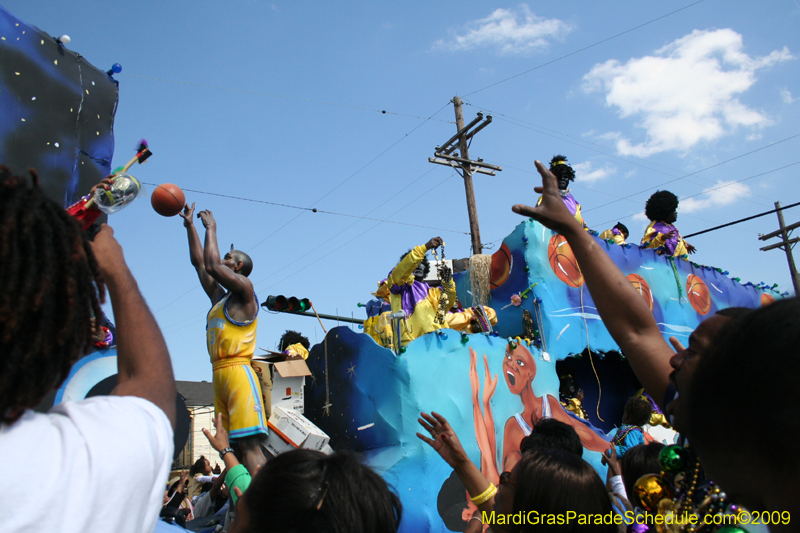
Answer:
(282, 304)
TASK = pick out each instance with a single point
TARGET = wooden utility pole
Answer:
(786, 243)
(467, 167)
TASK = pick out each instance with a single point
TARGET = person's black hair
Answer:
(554, 482)
(51, 289)
(173, 515)
(735, 313)
(639, 460)
(293, 337)
(561, 171)
(199, 466)
(752, 359)
(426, 266)
(247, 262)
(623, 229)
(661, 207)
(637, 411)
(552, 433)
(305, 490)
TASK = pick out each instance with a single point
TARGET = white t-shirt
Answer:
(89, 466)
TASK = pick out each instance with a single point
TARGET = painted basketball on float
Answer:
(766, 299)
(501, 266)
(563, 261)
(642, 288)
(697, 292)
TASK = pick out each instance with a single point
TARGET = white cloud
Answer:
(719, 194)
(686, 93)
(786, 96)
(508, 31)
(586, 173)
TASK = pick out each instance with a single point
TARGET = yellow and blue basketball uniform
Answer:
(237, 392)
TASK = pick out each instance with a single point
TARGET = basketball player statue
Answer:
(231, 337)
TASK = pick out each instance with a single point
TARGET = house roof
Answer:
(196, 393)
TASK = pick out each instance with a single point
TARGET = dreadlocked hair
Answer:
(561, 171)
(51, 289)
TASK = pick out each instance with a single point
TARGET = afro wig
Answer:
(662, 206)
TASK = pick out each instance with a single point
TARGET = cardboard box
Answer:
(287, 383)
(295, 430)
(276, 445)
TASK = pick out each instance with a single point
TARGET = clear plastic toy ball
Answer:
(123, 191)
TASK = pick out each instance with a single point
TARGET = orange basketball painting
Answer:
(642, 288)
(697, 292)
(766, 299)
(563, 261)
(501, 266)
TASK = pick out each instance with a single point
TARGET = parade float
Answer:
(367, 397)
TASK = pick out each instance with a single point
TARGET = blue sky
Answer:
(283, 102)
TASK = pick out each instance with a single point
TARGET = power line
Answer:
(315, 210)
(600, 150)
(271, 95)
(304, 209)
(360, 234)
(294, 263)
(348, 178)
(741, 220)
(382, 153)
(698, 171)
(354, 223)
(720, 187)
(586, 47)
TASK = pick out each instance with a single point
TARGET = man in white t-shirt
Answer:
(97, 464)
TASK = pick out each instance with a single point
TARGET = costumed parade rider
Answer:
(426, 308)
(571, 396)
(662, 210)
(564, 174)
(618, 234)
(231, 337)
(295, 346)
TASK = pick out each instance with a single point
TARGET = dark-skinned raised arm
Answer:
(624, 312)
(143, 361)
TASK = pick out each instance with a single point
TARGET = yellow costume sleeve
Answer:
(573, 405)
(404, 271)
(462, 320)
(297, 350)
(609, 235)
(658, 239)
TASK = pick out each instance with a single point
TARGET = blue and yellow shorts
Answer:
(237, 395)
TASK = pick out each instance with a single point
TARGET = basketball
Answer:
(642, 288)
(167, 200)
(501, 266)
(563, 261)
(766, 299)
(697, 292)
